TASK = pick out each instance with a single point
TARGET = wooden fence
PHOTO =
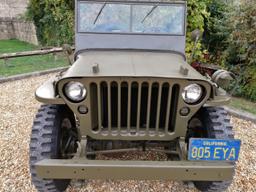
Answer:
(6, 56)
(66, 50)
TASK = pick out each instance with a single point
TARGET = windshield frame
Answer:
(131, 2)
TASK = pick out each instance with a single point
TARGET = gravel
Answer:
(17, 110)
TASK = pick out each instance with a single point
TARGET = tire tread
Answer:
(218, 124)
(42, 144)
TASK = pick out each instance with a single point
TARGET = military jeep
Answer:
(130, 88)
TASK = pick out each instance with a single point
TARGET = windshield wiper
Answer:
(101, 9)
(149, 13)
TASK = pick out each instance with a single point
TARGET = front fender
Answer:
(47, 94)
(220, 98)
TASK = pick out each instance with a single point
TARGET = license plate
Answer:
(213, 149)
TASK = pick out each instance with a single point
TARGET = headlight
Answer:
(75, 91)
(192, 93)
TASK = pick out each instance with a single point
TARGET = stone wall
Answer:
(13, 8)
(6, 29)
(12, 26)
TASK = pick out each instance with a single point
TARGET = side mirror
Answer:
(196, 34)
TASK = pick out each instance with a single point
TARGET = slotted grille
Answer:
(134, 108)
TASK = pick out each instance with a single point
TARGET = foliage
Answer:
(230, 38)
(197, 17)
(54, 20)
(217, 30)
(241, 51)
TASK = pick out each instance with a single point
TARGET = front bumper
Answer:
(138, 170)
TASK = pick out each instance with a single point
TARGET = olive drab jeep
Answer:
(130, 87)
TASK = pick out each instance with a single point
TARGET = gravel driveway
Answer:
(17, 109)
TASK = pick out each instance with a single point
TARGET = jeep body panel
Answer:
(128, 63)
(115, 129)
(120, 41)
(131, 63)
(143, 170)
(132, 67)
(47, 93)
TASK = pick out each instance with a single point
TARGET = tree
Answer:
(241, 50)
(217, 29)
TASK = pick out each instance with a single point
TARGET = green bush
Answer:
(217, 30)
(241, 51)
(54, 20)
(230, 38)
(198, 16)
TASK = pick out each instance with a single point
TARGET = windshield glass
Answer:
(131, 18)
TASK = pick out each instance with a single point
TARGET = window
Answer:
(131, 18)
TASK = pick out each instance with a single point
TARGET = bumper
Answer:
(138, 170)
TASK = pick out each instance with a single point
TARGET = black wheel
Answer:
(215, 123)
(54, 136)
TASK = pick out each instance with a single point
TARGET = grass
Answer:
(27, 64)
(244, 105)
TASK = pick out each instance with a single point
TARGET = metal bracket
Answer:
(95, 68)
(81, 149)
(182, 148)
(184, 71)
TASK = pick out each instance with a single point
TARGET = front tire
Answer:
(217, 125)
(46, 140)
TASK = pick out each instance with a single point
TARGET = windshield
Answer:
(131, 18)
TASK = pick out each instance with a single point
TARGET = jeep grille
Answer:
(133, 108)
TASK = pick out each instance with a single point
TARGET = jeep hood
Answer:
(131, 64)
